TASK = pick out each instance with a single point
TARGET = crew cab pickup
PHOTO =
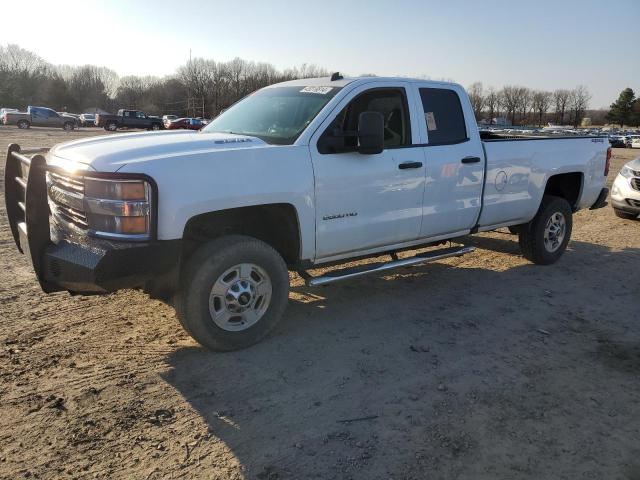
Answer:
(303, 174)
(128, 119)
(40, 117)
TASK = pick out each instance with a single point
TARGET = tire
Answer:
(68, 126)
(155, 126)
(217, 266)
(514, 229)
(111, 127)
(625, 215)
(544, 239)
(23, 124)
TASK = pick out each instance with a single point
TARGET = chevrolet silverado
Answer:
(299, 175)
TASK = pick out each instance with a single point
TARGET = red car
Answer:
(186, 123)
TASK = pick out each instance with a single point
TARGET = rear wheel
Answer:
(23, 124)
(233, 292)
(545, 238)
(625, 215)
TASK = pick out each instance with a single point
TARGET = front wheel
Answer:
(155, 126)
(23, 124)
(68, 126)
(233, 292)
(111, 127)
(544, 239)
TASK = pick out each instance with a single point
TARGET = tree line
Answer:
(200, 87)
(524, 106)
(204, 87)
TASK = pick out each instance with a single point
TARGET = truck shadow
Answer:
(367, 379)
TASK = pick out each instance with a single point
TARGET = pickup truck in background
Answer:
(128, 119)
(40, 117)
(299, 175)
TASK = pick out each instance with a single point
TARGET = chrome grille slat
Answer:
(71, 215)
(67, 183)
(635, 183)
(66, 194)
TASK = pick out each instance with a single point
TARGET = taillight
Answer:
(607, 164)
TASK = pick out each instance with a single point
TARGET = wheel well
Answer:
(275, 224)
(567, 186)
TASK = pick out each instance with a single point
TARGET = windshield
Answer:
(277, 115)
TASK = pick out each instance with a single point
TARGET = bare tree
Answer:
(561, 100)
(492, 102)
(541, 101)
(578, 102)
(524, 103)
(16, 59)
(511, 101)
(477, 98)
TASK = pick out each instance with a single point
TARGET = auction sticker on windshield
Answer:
(320, 90)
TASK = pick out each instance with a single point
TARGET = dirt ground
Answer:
(481, 367)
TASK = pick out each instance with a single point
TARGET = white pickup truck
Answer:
(297, 175)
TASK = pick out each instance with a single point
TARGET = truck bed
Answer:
(518, 167)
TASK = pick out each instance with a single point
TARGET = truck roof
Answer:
(327, 82)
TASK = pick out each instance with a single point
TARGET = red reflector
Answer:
(607, 164)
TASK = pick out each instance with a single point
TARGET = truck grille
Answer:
(635, 183)
(66, 199)
(633, 203)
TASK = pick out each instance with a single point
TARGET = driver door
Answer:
(366, 202)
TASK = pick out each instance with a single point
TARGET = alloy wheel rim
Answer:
(240, 297)
(554, 232)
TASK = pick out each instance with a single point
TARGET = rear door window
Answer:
(443, 116)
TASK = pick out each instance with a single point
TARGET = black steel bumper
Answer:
(601, 201)
(77, 263)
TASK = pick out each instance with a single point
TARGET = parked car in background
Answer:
(625, 193)
(4, 110)
(618, 141)
(88, 120)
(40, 117)
(184, 123)
(168, 118)
(633, 141)
(128, 119)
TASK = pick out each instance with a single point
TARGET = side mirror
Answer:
(370, 133)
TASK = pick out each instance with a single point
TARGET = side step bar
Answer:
(347, 273)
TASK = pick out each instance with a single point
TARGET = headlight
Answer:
(626, 172)
(117, 208)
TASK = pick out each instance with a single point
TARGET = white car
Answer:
(296, 176)
(633, 141)
(625, 193)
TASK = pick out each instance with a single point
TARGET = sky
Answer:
(539, 44)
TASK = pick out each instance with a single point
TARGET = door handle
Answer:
(470, 160)
(405, 165)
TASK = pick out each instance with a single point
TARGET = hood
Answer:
(634, 165)
(109, 153)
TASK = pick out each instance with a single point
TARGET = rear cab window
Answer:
(443, 116)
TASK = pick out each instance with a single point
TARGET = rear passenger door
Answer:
(454, 160)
